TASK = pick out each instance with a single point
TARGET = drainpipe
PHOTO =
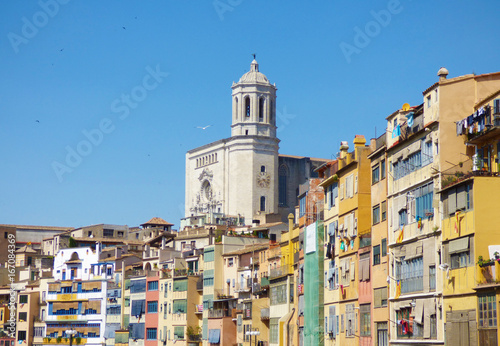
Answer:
(288, 327)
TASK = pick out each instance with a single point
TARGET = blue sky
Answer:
(68, 66)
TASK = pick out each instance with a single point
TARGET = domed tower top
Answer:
(254, 76)
(254, 104)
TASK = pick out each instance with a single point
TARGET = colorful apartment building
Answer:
(378, 263)
(331, 296)
(471, 243)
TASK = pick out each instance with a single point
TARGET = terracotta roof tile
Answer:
(157, 221)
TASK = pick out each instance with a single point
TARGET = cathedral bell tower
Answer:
(254, 105)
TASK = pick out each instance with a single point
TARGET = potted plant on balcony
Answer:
(59, 339)
(497, 255)
(194, 334)
(78, 340)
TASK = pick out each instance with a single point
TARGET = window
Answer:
(21, 335)
(180, 306)
(433, 324)
(376, 214)
(262, 203)
(208, 254)
(273, 330)
(350, 320)
(349, 186)
(108, 233)
(411, 274)
(487, 311)
(365, 319)
(380, 297)
(151, 333)
(383, 206)
(376, 255)
(38, 332)
(302, 206)
(153, 286)
(375, 174)
(459, 260)
(427, 156)
(152, 307)
(459, 251)
(178, 333)
(278, 294)
(23, 316)
(23, 299)
(432, 278)
(458, 199)
(113, 310)
(261, 109)
(384, 247)
(230, 262)
(403, 217)
(428, 101)
(382, 169)
(496, 106)
(182, 284)
(247, 106)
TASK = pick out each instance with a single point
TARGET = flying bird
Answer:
(124, 28)
(37, 121)
(61, 49)
(203, 127)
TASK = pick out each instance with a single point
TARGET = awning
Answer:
(214, 336)
(459, 245)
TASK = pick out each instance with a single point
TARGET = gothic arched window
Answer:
(261, 109)
(237, 110)
(247, 106)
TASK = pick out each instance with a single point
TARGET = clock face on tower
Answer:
(263, 179)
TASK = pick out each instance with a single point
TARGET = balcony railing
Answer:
(264, 314)
(280, 271)
(219, 313)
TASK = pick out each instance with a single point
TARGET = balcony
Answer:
(296, 257)
(64, 341)
(264, 282)
(184, 272)
(490, 131)
(264, 314)
(220, 313)
(280, 271)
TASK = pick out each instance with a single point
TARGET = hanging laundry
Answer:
(396, 132)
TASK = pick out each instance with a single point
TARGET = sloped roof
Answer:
(157, 221)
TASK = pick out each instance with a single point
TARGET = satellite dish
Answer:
(406, 107)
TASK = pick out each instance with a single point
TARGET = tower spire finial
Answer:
(254, 55)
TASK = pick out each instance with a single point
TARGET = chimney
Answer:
(359, 142)
(344, 147)
(290, 222)
(373, 144)
(442, 73)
